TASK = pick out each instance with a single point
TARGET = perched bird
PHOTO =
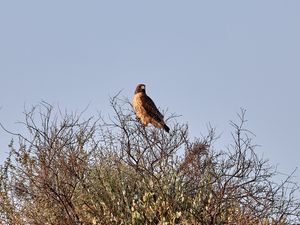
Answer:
(145, 109)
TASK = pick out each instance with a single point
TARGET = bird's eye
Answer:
(143, 87)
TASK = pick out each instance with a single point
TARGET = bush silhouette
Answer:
(67, 170)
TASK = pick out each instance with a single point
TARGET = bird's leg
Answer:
(138, 119)
(144, 127)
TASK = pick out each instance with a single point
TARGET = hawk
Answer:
(145, 109)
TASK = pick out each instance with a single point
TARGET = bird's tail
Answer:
(166, 128)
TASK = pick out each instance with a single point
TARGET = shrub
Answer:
(67, 170)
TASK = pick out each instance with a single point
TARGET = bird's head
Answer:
(141, 88)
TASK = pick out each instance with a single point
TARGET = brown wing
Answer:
(151, 108)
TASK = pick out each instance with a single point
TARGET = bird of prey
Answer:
(145, 109)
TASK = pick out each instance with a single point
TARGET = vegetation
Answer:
(67, 170)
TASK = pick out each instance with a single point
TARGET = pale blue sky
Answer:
(201, 59)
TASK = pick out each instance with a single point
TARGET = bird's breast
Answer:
(137, 102)
(138, 106)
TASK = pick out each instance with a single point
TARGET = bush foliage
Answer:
(69, 170)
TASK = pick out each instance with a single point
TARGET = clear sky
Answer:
(200, 59)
